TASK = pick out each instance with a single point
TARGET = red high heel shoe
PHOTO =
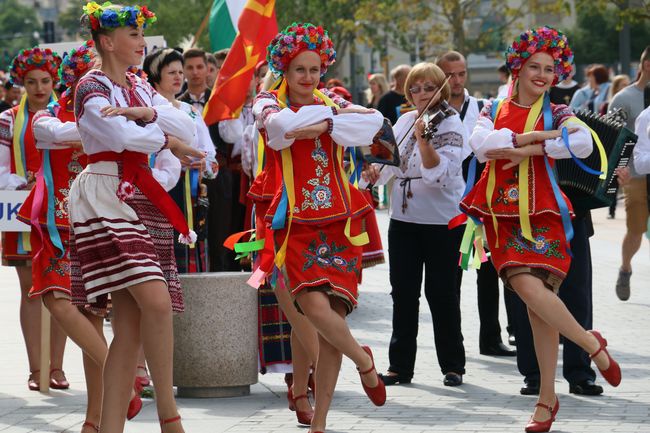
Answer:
(135, 405)
(613, 373)
(89, 424)
(143, 380)
(292, 406)
(169, 421)
(543, 426)
(377, 394)
(32, 381)
(58, 384)
(304, 417)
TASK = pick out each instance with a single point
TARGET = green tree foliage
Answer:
(595, 36)
(17, 26)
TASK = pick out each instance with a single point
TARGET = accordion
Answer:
(588, 191)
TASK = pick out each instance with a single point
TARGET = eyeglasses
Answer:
(417, 89)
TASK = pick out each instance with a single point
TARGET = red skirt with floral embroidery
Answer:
(549, 252)
(322, 258)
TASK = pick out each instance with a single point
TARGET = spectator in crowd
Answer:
(377, 87)
(631, 101)
(563, 92)
(504, 79)
(11, 96)
(390, 105)
(220, 57)
(195, 69)
(592, 96)
(334, 82)
(430, 187)
(213, 70)
(454, 66)
(342, 92)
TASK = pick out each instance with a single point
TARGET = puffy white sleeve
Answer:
(356, 129)
(449, 142)
(485, 138)
(112, 133)
(166, 169)
(231, 130)
(50, 132)
(278, 122)
(580, 142)
(203, 138)
(642, 147)
(249, 150)
(8, 180)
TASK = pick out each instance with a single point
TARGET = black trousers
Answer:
(412, 249)
(576, 293)
(225, 217)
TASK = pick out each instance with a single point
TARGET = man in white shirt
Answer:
(454, 66)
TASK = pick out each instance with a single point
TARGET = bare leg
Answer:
(78, 327)
(301, 367)
(631, 244)
(141, 370)
(333, 327)
(304, 330)
(546, 340)
(549, 308)
(30, 318)
(58, 338)
(119, 369)
(156, 330)
(93, 373)
(327, 373)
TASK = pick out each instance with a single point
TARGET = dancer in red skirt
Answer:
(36, 70)
(526, 216)
(316, 215)
(121, 217)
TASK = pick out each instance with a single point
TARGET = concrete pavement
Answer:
(489, 400)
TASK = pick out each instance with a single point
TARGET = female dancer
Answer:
(431, 185)
(320, 271)
(164, 69)
(303, 338)
(121, 218)
(527, 237)
(36, 70)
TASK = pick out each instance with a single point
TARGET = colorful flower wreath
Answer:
(298, 38)
(109, 16)
(138, 72)
(32, 59)
(544, 39)
(76, 63)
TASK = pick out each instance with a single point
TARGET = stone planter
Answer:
(215, 339)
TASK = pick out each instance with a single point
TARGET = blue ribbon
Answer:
(561, 202)
(51, 219)
(194, 182)
(578, 161)
(280, 217)
(152, 160)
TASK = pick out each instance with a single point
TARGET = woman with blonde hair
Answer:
(378, 87)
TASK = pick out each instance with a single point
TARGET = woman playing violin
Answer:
(429, 185)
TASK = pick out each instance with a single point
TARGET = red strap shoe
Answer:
(613, 373)
(58, 384)
(292, 405)
(377, 394)
(32, 381)
(135, 405)
(304, 417)
(543, 426)
(89, 424)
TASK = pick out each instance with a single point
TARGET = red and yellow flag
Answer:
(257, 26)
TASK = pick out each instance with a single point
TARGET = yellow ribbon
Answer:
(604, 164)
(18, 146)
(287, 176)
(260, 154)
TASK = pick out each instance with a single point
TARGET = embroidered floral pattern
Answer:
(320, 197)
(326, 255)
(547, 247)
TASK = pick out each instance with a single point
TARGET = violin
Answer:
(434, 117)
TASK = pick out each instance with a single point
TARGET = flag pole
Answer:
(204, 23)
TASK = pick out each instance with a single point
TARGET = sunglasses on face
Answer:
(427, 88)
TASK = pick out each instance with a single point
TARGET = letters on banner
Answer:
(10, 202)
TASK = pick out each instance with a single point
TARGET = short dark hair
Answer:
(193, 53)
(221, 54)
(504, 69)
(600, 73)
(211, 59)
(157, 60)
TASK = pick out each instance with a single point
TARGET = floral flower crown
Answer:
(544, 39)
(298, 38)
(76, 63)
(32, 59)
(109, 16)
